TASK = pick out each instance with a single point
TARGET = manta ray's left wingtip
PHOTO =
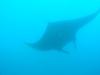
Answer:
(65, 52)
(29, 44)
(98, 11)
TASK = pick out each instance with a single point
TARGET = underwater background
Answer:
(24, 21)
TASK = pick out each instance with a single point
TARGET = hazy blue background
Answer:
(25, 21)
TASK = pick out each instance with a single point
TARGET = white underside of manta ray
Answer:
(58, 34)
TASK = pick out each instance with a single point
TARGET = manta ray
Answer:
(60, 33)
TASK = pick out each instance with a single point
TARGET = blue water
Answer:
(24, 21)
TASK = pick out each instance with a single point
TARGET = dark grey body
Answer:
(58, 34)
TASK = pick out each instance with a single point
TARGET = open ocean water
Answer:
(23, 21)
